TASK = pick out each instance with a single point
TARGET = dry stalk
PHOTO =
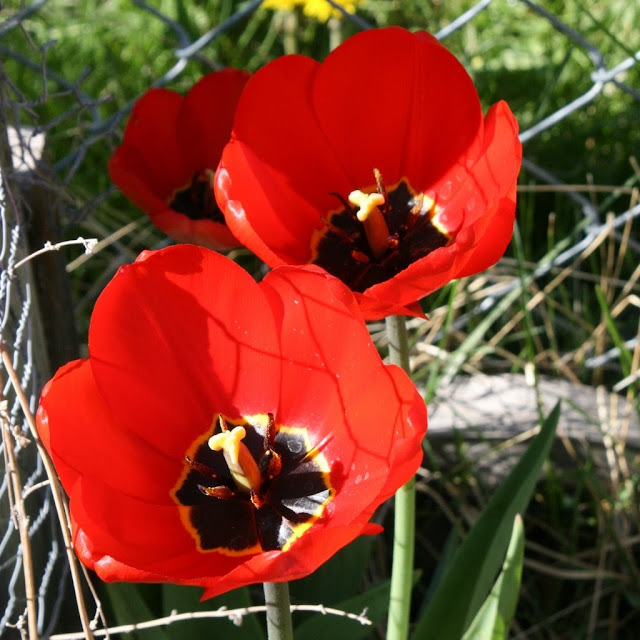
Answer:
(572, 188)
(597, 587)
(19, 515)
(102, 244)
(596, 575)
(544, 624)
(423, 487)
(624, 239)
(608, 250)
(234, 615)
(607, 440)
(56, 490)
(536, 299)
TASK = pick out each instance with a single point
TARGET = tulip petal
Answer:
(128, 169)
(412, 112)
(184, 300)
(170, 152)
(266, 151)
(328, 360)
(150, 132)
(206, 116)
(89, 441)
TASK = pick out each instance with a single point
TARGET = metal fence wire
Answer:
(37, 189)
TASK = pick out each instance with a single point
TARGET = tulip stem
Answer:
(276, 599)
(404, 512)
(398, 342)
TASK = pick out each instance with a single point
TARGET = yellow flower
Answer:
(321, 10)
(281, 4)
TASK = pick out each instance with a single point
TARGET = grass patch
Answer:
(562, 304)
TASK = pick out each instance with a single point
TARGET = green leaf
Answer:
(494, 618)
(465, 586)
(185, 599)
(129, 604)
(338, 578)
(321, 627)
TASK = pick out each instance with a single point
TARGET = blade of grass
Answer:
(494, 618)
(625, 355)
(473, 570)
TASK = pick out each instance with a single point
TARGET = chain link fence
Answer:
(47, 141)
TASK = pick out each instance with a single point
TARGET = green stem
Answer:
(404, 512)
(398, 342)
(276, 599)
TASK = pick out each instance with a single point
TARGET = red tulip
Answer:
(170, 152)
(376, 164)
(224, 432)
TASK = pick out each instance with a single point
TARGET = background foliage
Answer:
(562, 304)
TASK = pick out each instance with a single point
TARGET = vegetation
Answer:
(73, 70)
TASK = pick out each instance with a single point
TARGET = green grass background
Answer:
(73, 69)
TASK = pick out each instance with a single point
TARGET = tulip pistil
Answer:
(242, 466)
(371, 217)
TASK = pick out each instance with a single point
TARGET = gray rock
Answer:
(486, 421)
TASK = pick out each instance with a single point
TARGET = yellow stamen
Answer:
(428, 204)
(435, 221)
(243, 467)
(371, 217)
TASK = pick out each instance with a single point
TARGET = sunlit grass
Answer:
(99, 56)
